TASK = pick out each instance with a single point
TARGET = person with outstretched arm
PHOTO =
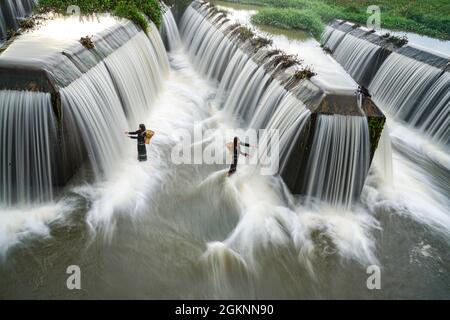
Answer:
(143, 137)
(235, 146)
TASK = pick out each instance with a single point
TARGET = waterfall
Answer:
(357, 56)
(289, 117)
(246, 91)
(138, 72)
(2, 26)
(410, 85)
(10, 11)
(101, 95)
(115, 94)
(27, 135)
(273, 96)
(402, 86)
(432, 115)
(339, 159)
(169, 30)
(334, 39)
(208, 47)
(326, 34)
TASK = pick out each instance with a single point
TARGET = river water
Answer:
(159, 230)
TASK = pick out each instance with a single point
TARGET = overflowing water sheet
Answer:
(165, 230)
(339, 182)
(28, 131)
(357, 56)
(10, 13)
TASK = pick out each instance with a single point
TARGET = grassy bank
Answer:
(135, 10)
(431, 18)
(290, 19)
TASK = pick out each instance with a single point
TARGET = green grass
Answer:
(426, 17)
(290, 19)
(135, 10)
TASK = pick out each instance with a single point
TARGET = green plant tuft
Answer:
(134, 10)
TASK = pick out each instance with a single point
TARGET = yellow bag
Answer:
(148, 136)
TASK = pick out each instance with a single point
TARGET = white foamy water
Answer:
(24, 223)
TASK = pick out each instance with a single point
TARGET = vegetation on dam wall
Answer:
(134, 10)
(376, 126)
(431, 18)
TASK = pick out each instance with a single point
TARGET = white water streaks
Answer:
(330, 74)
(169, 31)
(339, 160)
(419, 187)
(97, 98)
(269, 230)
(400, 83)
(27, 136)
(11, 11)
(356, 56)
(432, 115)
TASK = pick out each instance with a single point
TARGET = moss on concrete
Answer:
(376, 126)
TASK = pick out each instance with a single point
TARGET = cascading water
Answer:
(402, 83)
(334, 39)
(326, 35)
(11, 11)
(206, 42)
(357, 56)
(336, 181)
(169, 30)
(113, 95)
(103, 101)
(432, 115)
(400, 87)
(28, 133)
(2, 25)
(411, 162)
(288, 119)
(248, 92)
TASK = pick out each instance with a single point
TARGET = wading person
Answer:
(143, 137)
(235, 147)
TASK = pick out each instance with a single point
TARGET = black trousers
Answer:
(142, 152)
(233, 167)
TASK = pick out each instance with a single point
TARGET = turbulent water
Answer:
(162, 230)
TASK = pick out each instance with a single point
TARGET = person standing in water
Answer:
(143, 137)
(235, 147)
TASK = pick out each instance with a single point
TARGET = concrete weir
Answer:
(63, 91)
(362, 51)
(408, 82)
(44, 70)
(320, 99)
